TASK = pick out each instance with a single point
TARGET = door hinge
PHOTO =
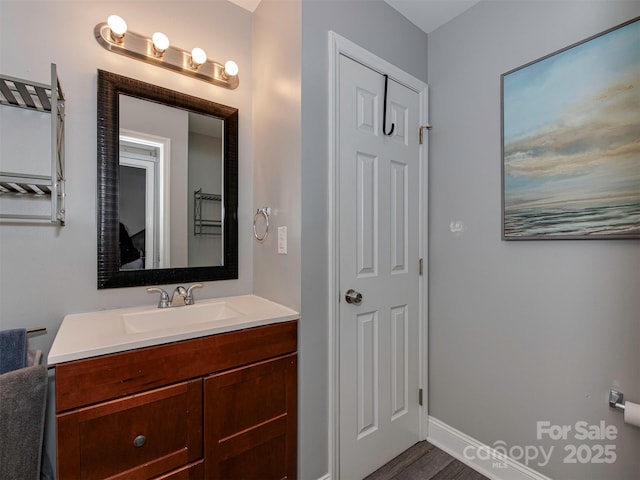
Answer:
(420, 397)
(420, 266)
(421, 132)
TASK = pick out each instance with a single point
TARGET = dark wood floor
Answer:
(423, 461)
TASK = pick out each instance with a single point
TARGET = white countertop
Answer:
(84, 335)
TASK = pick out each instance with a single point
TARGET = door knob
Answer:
(353, 297)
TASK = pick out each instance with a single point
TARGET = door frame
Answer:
(339, 45)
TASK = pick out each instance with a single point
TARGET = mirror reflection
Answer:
(167, 186)
(171, 184)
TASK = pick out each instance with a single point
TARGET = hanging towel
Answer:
(13, 349)
(23, 398)
(34, 357)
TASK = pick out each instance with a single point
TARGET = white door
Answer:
(379, 225)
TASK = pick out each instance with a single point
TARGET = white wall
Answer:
(520, 332)
(383, 31)
(46, 272)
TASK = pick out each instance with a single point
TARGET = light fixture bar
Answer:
(138, 46)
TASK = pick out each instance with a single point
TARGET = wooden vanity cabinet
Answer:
(218, 407)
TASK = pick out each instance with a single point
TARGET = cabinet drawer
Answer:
(137, 437)
(93, 380)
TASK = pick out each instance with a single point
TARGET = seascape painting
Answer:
(571, 141)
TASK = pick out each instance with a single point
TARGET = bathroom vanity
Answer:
(218, 405)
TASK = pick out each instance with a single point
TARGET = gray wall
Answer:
(48, 272)
(151, 118)
(383, 31)
(276, 135)
(520, 332)
(205, 172)
(277, 146)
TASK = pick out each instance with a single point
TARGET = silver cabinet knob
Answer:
(353, 297)
(139, 441)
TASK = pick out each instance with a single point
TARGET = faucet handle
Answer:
(164, 296)
(189, 300)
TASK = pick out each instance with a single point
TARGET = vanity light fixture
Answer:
(118, 27)
(157, 50)
(198, 57)
(230, 69)
(160, 43)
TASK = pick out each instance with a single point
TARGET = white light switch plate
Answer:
(282, 240)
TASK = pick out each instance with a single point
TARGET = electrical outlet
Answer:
(282, 240)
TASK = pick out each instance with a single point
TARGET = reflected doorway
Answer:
(144, 198)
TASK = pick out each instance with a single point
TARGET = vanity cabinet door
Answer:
(250, 421)
(141, 436)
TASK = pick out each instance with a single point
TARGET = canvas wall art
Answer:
(571, 141)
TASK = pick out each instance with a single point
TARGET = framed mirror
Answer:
(167, 186)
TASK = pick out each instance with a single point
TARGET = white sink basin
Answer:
(179, 317)
(83, 335)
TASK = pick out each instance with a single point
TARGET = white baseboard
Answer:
(492, 464)
(325, 477)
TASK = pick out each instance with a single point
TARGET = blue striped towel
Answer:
(13, 349)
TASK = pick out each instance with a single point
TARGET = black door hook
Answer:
(384, 110)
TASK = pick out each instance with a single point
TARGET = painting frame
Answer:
(570, 158)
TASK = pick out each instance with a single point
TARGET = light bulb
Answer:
(118, 27)
(198, 57)
(160, 42)
(231, 68)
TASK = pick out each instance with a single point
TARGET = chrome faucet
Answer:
(177, 299)
(180, 297)
(164, 296)
(189, 300)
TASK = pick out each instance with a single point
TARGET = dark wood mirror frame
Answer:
(110, 86)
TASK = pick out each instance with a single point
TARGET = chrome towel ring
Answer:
(264, 212)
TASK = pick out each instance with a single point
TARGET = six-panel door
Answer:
(378, 256)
